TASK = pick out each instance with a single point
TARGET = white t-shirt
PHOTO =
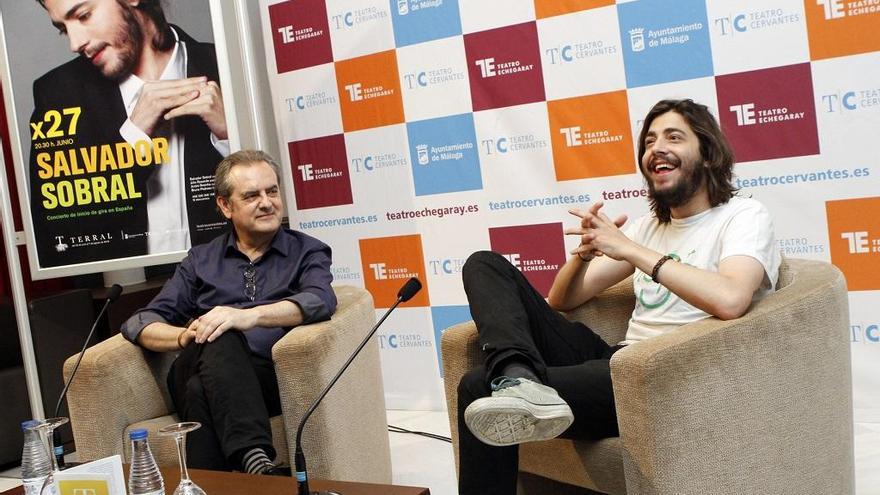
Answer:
(742, 226)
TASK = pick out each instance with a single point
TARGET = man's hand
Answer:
(208, 106)
(599, 234)
(157, 98)
(214, 323)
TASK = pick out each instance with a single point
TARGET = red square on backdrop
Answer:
(538, 251)
(320, 172)
(504, 66)
(300, 34)
(769, 113)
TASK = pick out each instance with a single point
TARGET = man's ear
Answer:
(224, 206)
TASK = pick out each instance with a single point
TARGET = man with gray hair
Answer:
(227, 304)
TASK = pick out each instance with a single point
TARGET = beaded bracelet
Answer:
(656, 269)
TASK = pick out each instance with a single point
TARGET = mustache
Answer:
(90, 51)
(668, 157)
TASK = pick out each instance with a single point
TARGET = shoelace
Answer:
(503, 382)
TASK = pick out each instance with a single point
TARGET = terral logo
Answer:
(538, 251)
(63, 243)
(854, 239)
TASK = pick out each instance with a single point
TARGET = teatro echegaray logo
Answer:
(300, 34)
(538, 251)
(369, 91)
(854, 239)
(590, 136)
(504, 66)
(769, 113)
(388, 262)
(320, 172)
(842, 27)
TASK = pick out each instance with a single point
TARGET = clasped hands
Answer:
(599, 235)
(168, 99)
(211, 325)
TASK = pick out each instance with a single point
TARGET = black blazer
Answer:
(76, 234)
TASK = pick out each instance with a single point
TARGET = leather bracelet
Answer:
(179, 345)
(656, 269)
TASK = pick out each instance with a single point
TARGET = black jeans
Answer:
(514, 320)
(232, 393)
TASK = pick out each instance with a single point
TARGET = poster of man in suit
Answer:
(123, 138)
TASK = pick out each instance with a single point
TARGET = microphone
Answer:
(409, 289)
(112, 295)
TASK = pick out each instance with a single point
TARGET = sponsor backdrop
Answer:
(420, 131)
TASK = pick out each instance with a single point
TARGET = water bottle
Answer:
(144, 477)
(35, 462)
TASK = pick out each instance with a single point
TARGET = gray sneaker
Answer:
(518, 411)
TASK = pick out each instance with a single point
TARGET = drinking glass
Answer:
(46, 429)
(179, 431)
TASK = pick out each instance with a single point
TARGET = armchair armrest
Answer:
(768, 394)
(117, 384)
(346, 436)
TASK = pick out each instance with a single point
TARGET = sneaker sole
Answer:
(502, 421)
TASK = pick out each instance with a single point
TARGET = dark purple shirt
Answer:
(296, 268)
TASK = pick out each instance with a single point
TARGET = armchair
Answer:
(120, 387)
(759, 404)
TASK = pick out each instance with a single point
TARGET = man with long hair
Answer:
(702, 251)
(136, 79)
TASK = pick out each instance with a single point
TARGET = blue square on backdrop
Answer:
(663, 42)
(417, 21)
(444, 155)
(444, 317)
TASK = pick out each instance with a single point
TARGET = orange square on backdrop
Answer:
(550, 8)
(388, 262)
(854, 240)
(369, 91)
(591, 136)
(836, 28)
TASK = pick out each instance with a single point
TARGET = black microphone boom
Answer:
(112, 295)
(409, 289)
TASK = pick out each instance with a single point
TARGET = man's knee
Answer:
(482, 259)
(231, 341)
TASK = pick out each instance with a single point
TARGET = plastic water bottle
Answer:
(144, 477)
(35, 462)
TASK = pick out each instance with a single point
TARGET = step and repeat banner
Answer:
(419, 131)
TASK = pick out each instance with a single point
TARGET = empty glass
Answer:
(179, 431)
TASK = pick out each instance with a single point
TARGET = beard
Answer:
(693, 175)
(128, 41)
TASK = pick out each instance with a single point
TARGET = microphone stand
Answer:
(115, 291)
(302, 477)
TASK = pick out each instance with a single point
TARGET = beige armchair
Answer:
(120, 386)
(760, 404)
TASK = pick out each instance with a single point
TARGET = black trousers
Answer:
(232, 393)
(514, 321)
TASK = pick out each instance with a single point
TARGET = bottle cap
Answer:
(29, 424)
(138, 434)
